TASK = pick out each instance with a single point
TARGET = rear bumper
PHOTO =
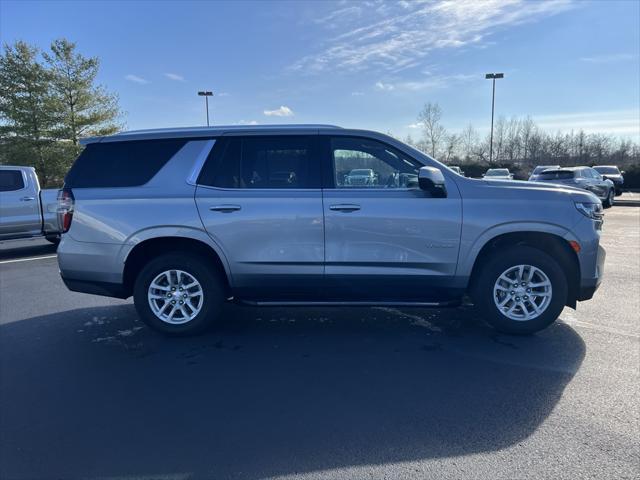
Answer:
(105, 289)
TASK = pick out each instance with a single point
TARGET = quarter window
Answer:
(11, 180)
(364, 163)
(263, 162)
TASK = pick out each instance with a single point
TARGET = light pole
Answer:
(206, 95)
(493, 77)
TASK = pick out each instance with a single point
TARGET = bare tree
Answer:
(433, 131)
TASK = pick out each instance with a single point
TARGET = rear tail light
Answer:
(65, 209)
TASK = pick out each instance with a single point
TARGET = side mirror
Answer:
(621, 172)
(431, 180)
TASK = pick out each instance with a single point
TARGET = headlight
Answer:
(591, 210)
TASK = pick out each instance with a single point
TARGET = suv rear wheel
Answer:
(521, 290)
(178, 295)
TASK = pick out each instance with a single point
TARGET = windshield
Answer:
(361, 171)
(498, 172)
(556, 175)
(607, 170)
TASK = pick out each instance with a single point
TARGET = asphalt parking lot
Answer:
(86, 391)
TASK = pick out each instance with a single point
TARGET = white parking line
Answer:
(28, 259)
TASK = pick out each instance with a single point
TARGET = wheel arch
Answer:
(150, 247)
(552, 244)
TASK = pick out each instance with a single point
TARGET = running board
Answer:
(278, 303)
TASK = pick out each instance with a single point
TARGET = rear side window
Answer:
(11, 180)
(121, 164)
(263, 162)
(555, 175)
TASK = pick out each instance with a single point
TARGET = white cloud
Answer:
(392, 37)
(136, 79)
(174, 76)
(279, 112)
(249, 122)
(416, 125)
(429, 82)
(223, 94)
(357, 94)
(384, 86)
(609, 58)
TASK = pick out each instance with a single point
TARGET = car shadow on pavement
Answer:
(92, 392)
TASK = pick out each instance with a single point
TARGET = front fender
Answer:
(469, 250)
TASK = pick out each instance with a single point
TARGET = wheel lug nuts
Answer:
(526, 297)
(173, 289)
(517, 299)
(523, 284)
(528, 290)
(173, 302)
(181, 302)
(184, 295)
(168, 295)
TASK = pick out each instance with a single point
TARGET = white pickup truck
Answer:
(26, 210)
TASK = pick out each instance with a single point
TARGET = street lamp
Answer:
(206, 95)
(493, 77)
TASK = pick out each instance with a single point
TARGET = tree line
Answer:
(48, 101)
(520, 144)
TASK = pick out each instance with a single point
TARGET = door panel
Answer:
(384, 238)
(273, 240)
(397, 245)
(263, 206)
(19, 208)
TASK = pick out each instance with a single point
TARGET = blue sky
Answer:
(370, 64)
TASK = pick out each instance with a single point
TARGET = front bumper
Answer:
(588, 286)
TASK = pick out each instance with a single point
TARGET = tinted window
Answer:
(11, 180)
(556, 175)
(263, 162)
(365, 163)
(607, 170)
(121, 164)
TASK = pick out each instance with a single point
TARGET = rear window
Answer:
(11, 180)
(121, 164)
(555, 175)
(276, 162)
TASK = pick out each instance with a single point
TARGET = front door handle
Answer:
(344, 207)
(27, 199)
(225, 208)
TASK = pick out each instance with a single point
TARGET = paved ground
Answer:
(87, 392)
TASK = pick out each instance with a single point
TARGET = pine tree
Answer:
(83, 107)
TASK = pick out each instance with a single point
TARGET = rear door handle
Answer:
(225, 208)
(27, 199)
(344, 207)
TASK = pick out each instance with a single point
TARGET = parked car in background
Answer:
(185, 219)
(611, 172)
(26, 210)
(457, 169)
(581, 177)
(498, 174)
(361, 177)
(539, 169)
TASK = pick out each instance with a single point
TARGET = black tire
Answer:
(209, 279)
(483, 296)
(608, 202)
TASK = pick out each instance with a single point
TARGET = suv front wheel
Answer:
(177, 294)
(520, 290)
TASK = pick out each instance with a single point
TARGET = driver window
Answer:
(365, 163)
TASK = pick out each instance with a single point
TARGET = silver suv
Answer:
(186, 219)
